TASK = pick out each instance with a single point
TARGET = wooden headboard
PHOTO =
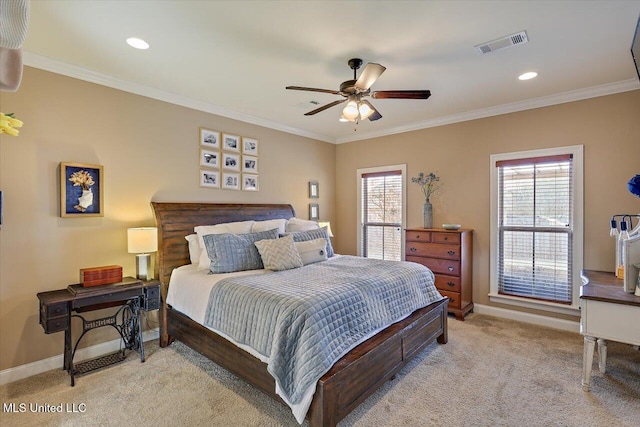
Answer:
(176, 220)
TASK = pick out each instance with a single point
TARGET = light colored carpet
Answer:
(493, 372)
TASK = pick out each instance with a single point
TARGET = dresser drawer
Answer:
(448, 283)
(433, 250)
(418, 236)
(55, 324)
(453, 238)
(454, 299)
(442, 266)
(53, 310)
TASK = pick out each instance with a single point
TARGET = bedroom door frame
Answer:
(379, 169)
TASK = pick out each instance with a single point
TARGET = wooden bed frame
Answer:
(348, 383)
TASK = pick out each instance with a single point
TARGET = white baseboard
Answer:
(536, 319)
(23, 371)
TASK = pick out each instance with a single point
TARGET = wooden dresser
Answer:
(449, 255)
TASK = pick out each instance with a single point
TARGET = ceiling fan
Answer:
(354, 91)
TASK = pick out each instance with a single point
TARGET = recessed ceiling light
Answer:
(137, 43)
(528, 76)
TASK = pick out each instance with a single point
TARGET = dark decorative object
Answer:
(634, 185)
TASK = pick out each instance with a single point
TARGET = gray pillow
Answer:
(235, 252)
(303, 236)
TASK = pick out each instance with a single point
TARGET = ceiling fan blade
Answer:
(324, 107)
(401, 94)
(369, 75)
(311, 89)
(376, 114)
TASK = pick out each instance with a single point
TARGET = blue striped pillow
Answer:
(304, 236)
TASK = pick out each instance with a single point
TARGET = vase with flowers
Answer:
(84, 180)
(429, 184)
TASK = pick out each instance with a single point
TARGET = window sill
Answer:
(572, 310)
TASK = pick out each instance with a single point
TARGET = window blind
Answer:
(535, 228)
(382, 215)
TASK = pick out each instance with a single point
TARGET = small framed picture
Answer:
(250, 146)
(230, 181)
(249, 164)
(81, 190)
(231, 142)
(209, 178)
(231, 161)
(209, 158)
(250, 182)
(314, 190)
(314, 211)
(210, 138)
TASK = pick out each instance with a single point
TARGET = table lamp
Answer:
(141, 241)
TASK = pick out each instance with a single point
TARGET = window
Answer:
(381, 198)
(537, 226)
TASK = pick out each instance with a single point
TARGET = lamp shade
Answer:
(142, 240)
(328, 225)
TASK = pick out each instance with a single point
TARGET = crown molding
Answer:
(58, 67)
(529, 104)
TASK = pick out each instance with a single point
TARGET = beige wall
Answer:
(149, 150)
(608, 127)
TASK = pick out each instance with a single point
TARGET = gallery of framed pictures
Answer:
(81, 190)
(228, 161)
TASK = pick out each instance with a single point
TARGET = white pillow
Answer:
(241, 227)
(312, 250)
(279, 254)
(297, 224)
(194, 248)
(269, 224)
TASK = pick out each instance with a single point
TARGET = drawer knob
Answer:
(412, 249)
(417, 236)
(451, 284)
(450, 268)
(451, 253)
(446, 238)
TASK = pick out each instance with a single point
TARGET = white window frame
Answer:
(578, 230)
(360, 172)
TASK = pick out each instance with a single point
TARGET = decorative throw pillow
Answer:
(303, 236)
(194, 248)
(279, 254)
(235, 252)
(240, 227)
(269, 224)
(297, 224)
(312, 250)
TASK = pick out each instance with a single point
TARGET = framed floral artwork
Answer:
(249, 146)
(210, 138)
(230, 181)
(209, 178)
(231, 161)
(231, 142)
(249, 164)
(209, 158)
(250, 182)
(81, 190)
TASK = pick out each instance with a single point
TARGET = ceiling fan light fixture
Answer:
(528, 76)
(137, 43)
(343, 119)
(365, 111)
(351, 110)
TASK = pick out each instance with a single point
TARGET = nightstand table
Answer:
(132, 296)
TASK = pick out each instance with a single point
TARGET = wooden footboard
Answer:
(348, 383)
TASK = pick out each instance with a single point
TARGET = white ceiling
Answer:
(235, 58)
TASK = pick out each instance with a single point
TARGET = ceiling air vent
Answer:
(501, 43)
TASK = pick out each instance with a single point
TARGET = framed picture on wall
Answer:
(230, 181)
(231, 161)
(231, 142)
(209, 178)
(314, 190)
(209, 158)
(210, 138)
(250, 146)
(250, 182)
(249, 164)
(314, 211)
(81, 190)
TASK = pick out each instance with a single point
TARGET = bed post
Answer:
(444, 338)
